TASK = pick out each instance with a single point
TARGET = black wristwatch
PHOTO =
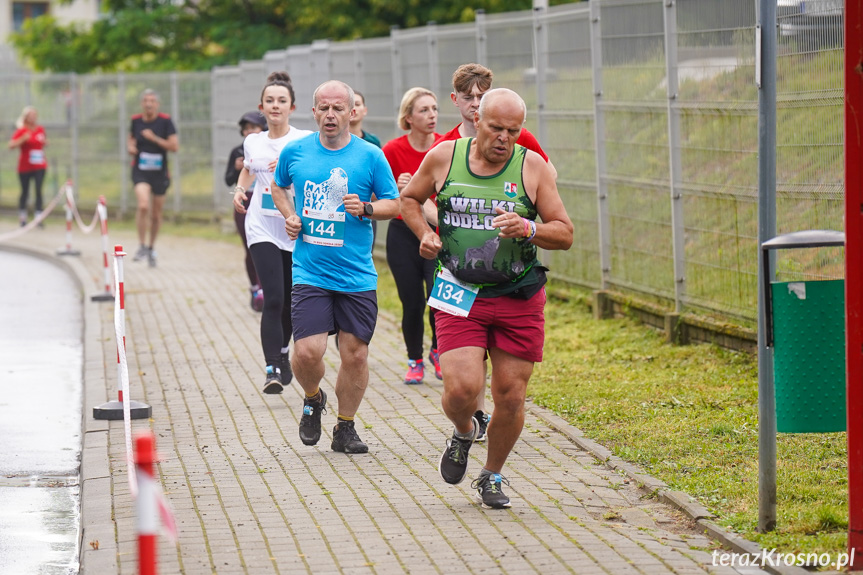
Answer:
(368, 209)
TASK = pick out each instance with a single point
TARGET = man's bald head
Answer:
(502, 98)
(334, 85)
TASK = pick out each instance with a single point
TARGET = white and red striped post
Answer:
(119, 254)
(68, 251)
(113, 410)
(103, 217)
(147, 503)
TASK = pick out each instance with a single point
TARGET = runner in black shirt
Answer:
(151, 137)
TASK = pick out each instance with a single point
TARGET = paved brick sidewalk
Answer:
(249, 497)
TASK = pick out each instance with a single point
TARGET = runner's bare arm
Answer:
(427, 180)
(382, 209)
(283, 201)
(555, 231)
(285, 204)
(244, 180)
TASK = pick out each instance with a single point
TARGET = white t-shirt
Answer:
(264, 222)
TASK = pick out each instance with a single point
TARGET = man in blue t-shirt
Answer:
(334, 175)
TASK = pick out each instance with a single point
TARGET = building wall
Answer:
(84, 11)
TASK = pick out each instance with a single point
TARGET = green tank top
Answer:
(471, 248)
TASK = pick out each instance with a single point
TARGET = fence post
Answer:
(765, 58)
(434, 65)
(603, 220)
(396, 67)
(479, 20)
(74, 118)
(540, 64)
(177, 174)
(123, 122)
(672, 86)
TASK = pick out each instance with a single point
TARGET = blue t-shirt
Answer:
(321, 178)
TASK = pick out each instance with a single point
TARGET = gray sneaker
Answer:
(151, 257)
(142, 254)
(453, 461)
(489, 490)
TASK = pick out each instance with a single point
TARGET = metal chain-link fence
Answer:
(648, 109)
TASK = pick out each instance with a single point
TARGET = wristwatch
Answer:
(368, 209)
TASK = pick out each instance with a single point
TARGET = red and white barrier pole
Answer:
(102, 209)
(68, 251)
(120, 309)
(147, 503)
(124, 408)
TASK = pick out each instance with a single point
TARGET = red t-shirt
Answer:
(525, 139)
(32, 151)
(403, 157)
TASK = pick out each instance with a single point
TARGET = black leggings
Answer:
(409, 271)
(38, 177)
(274, 272)
(240, 222)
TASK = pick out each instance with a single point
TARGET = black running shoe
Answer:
(310, 422)
(489, 490)
(346, 440)
(483, 419)
(287, 372)
(273, 385)
(453, 461)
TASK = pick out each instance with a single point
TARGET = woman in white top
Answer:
(268, 242)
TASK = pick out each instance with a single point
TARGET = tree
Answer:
(151, 35)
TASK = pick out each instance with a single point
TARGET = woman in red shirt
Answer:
(30, 137)
(417, 115)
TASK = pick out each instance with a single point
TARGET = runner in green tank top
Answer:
(490, 285)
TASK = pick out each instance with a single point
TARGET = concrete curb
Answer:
(677, 499)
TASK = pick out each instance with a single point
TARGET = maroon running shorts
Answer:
(513, 325)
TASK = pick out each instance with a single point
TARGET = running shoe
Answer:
(483, 419)
(273, 385)
(415, 373)
(346, 440)
(434, 357)
(151, 257)
(310, 422)
(453, 461)
(141, 254)
(287, 372)
(489, 490)
(258, 299)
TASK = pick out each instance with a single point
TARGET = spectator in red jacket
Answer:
(30, 137)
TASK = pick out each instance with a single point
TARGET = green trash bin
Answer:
(806, 328)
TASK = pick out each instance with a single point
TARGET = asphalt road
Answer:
(40, 416)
